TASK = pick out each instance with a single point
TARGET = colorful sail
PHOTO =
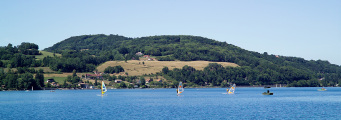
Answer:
(103, 88)
(232, 89)
(180, 88)
(322, 89)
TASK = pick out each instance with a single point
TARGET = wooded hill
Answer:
(87, 52)
(255, 68)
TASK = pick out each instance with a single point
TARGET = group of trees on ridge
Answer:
(84, 53)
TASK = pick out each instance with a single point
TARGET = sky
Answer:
(310, 29)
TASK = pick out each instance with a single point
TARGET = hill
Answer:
(137, 68)
(255, 68)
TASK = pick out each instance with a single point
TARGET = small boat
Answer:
(267, 87)
(268, 93)
(232, 89)
(180, 89)
(265, 93)
(103, 88)
(322, 89)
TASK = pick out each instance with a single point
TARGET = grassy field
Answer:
(46, 69)
(45, 54)
(135, 67)
(59, 80)
(57, 75)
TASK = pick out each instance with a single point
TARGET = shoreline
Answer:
(158, 88)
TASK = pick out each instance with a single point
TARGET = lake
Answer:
(194, 103)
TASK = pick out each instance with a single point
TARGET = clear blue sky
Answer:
(310, 29)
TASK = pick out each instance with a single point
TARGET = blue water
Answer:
(202, 103)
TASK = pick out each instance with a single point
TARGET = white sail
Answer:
(232, 89)
(180, 88)
(103, 88)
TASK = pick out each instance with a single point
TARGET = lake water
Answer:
(202, 103)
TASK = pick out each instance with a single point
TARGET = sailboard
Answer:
(322, 89)
(232, 89)
(103, 88)
(180, 88)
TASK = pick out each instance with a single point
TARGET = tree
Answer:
(75, 79)
(123, 85)
(123, 50)
(143, 81)
(40, 78)
(125, 57)
(165, 70)
(69, 78)
(48, 85)
(130, 86)
(65, 84)
(21, 84)
(74, 73)
(28, 81)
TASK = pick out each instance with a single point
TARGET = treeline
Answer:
(82, 61)
(115, 69)
(217, 75)
(28, 48)
(14, 81)
(21, 56)
(71, 81)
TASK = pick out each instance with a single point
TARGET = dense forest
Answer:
(84, 53)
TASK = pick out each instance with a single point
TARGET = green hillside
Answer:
(87, 53)
(45, 54)
(256, 68)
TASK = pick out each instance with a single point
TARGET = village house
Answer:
(149, 80)
(139, 54)
(159, 80)
(50, 80)
(54, 84)
(118, 81)
(138, 81)
(146, 56)
(97, 75)
(84, 85)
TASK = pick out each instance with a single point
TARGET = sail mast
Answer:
(102, 88)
